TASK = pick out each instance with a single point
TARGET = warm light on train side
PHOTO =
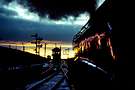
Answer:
(86, 43)
(111, 49)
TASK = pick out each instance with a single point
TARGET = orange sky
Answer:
(29, 47)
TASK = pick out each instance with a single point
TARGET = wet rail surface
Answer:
(56, 81)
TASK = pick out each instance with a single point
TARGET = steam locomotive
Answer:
(94, 40)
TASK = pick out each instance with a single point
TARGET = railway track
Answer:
(55, 81)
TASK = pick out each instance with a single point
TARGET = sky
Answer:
(29, 47)
(53, 20)
(18, 23)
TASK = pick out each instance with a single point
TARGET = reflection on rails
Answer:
(57, 80)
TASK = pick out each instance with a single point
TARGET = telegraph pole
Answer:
(23, 46)
(16, 46)
(60, 50)
(68, 52)
(45, 50)
(37, 42)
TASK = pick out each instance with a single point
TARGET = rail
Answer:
(57, 80)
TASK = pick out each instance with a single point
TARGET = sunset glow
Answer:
(29, 47)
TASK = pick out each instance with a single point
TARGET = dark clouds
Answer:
(15, 29)
(61, 8)
(58, 8)
(21, 28)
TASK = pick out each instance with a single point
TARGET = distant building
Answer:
(56, 53)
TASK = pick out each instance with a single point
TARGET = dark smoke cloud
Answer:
(62, 8)
(57, 9)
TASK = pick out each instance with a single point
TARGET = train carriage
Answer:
(93, 41)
